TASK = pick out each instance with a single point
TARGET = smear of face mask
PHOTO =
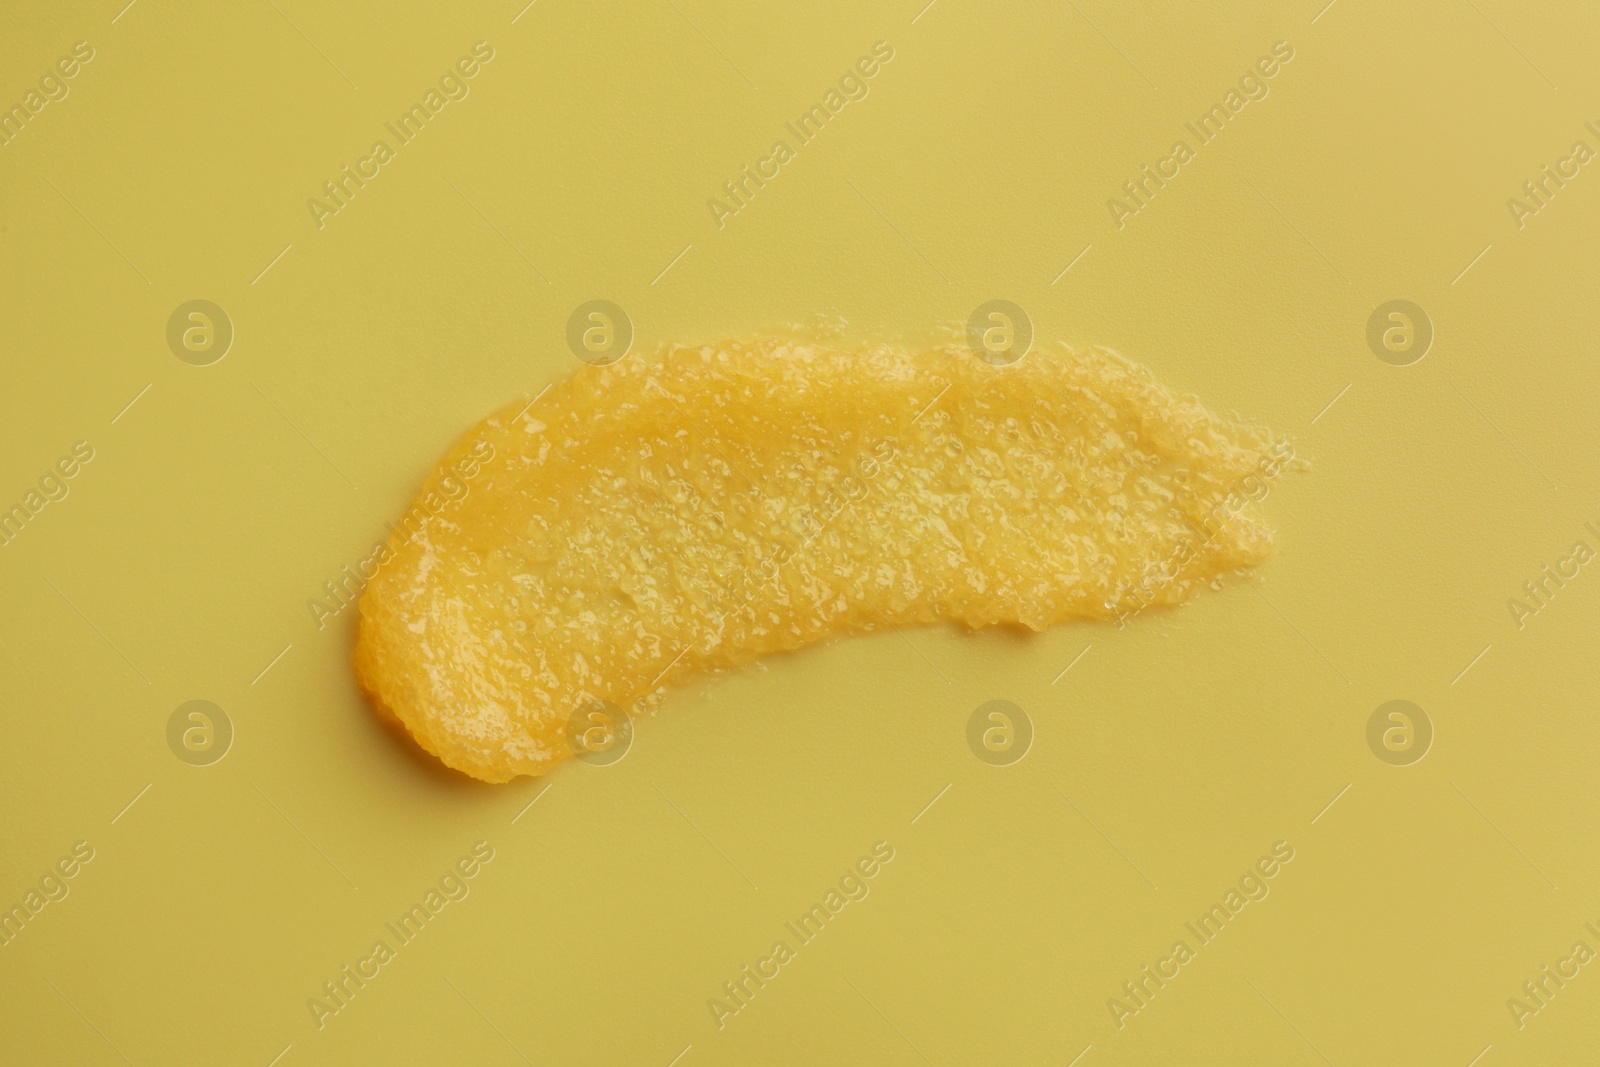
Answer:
(646, 522)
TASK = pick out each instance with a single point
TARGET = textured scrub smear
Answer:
(656, 519)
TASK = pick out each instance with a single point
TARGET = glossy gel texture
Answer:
(642, 523)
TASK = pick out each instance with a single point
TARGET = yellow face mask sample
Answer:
(648, 521)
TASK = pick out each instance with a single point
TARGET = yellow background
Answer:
(978, 167)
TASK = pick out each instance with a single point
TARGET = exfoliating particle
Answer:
(648, 521)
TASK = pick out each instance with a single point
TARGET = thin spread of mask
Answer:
(642, 523)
